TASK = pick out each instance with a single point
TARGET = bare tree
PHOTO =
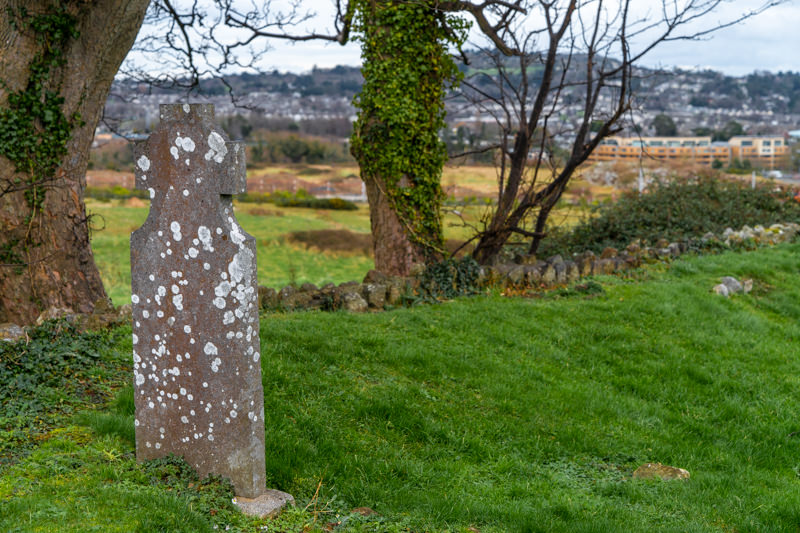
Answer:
(404, 231)
(567, 72)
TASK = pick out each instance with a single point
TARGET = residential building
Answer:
(762, 152)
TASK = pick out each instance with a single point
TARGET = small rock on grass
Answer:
(270, 503)
(11, 332)
(663, 472)
(722, 290)
(733, 284)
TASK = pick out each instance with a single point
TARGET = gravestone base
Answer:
(268, 504)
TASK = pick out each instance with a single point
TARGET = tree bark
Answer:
(45, 255)
(395, 253)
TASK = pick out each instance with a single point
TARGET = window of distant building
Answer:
(778, 143)
(747, 143)
(767, 143)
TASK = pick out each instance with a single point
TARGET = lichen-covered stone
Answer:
(573, 272)
(548, 274)
(196, 353)
(516, 275)
(353, 302)
(375, 295)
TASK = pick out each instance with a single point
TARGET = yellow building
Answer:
(762, 152)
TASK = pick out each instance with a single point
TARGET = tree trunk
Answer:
(395, 253)
(45, 256)
(406, 68)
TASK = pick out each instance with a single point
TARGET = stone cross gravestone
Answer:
(198, 391)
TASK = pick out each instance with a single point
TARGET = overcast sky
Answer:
(769, 41)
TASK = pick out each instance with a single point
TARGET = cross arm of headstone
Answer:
(188, 140)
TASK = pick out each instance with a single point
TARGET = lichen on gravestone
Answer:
(197, 375)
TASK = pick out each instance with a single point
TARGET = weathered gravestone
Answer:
(197, 374)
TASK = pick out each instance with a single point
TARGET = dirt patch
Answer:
(135, 202)
(262, 212)
(345, 241)
(109, 178)
(334, 240)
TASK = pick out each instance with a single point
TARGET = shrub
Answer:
(114, 193)
(449, 278)
(299, 199)
(675, 210)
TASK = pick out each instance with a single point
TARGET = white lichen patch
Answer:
(204, 234)
(143, 163)
(175, 227)
(174, 152)
(222, 289)
(217, 149)
(215, 364)
(210, 349)
(186, 143)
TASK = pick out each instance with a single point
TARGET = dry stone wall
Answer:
(377, 291)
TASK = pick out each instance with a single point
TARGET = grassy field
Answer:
(488, 413)
(280, 261)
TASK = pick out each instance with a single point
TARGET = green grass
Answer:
(530, 415)
(280, 262)
(503, 414)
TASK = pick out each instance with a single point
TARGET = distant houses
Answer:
(767, 152)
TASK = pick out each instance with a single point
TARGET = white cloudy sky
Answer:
(769, 41)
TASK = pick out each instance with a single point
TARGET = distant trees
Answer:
(268, 147)
(664, 126)
(731, 129)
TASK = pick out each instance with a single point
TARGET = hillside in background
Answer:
(763, 102)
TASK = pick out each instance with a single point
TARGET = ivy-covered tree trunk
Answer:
(406, 68)
(57, 62)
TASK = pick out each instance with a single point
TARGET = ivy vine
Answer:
(33, 128)
(407, 67)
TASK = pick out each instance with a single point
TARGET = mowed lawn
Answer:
(500, 414)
